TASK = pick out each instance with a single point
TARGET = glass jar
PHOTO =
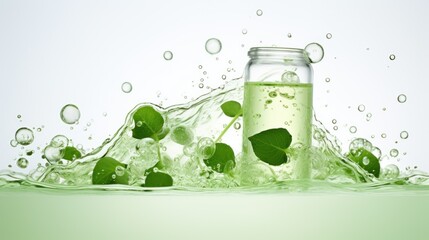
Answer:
(278, 94)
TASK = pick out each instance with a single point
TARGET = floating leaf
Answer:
(148, 123)
(71, 153)
(158, 179)
(105, 172)
(222, 157)
(366, 160)
(270, 145)
(231, 108)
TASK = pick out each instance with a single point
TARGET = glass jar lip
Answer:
(275, 52)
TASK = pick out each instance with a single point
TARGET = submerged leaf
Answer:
(71, 153)
(105, 172)
(148, 123)
(231, 108)
(223, 156)
(158, 179)
(366, 160)
(270, 145)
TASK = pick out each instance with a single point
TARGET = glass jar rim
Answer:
(275, 52)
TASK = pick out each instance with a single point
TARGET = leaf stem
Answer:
(228, 126)
(158, 149)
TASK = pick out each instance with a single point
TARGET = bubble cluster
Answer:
(360, 143)
(70, 114)
(213, 46)
(314, 52)
(126, 87)
(24, 136)
(168, 55)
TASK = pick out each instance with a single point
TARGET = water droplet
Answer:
(244, 31)
(201, 85)
(139, 123)
(290, 76)
(113, 176)
(328, 35)
(119, 171)
(353, 129)
(237, 125)
(213, 46)
(22, 163)
(327, 79)
(182, 135)
(394, 152)
(402, 98)
(259, 12)
(383, 135)
(59, 141)
(168, 55)
(365, 160)
(392, 57)
(289, 35)
(13, 143)
(361, 108)
(314, 52)
(70, 114)
(223, 77)
(24, 136)
(127, 87)
(404, 134)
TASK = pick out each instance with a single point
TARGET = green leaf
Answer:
(366, 160)
(222, 157)
(270, 145)
(148, 123)
(104, 170)
(158, 165)
(231, 108)
(158, 179)
(71, 153)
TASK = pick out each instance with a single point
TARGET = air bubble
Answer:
(53, 154)
(259, 12)
(289, 35)
(24, 136)
(70, 114)
(237, 125)
(402, 98)
(290, 76)
(335, 128)
(168, 55)
(404, 134)
(390, 172)
(353, 129)
(361, 108)
(365, 160)
(59, 141)
(127, 87)
(272, 94)
(383, 135)
(13, 143)
(201, 85)
(327, 79)
(213, 46)
(206, 147)
(22, 162)
(18, 116)
(314, 52)
(200, 66)
(244, 31)
(328, 35)
(334, 121)
(223, 77)
(394, 152)
(392, 57)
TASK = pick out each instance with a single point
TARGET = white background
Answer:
(57, 52)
